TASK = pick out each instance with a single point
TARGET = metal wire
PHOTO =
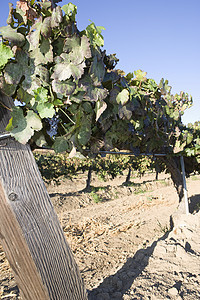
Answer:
(4, 136)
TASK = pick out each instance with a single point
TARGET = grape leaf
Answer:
(46, 27)
(66, 69)
(62, 144)
(8, 89)
(23, 96)
(44, 108)
(63, 88)
(123, 97)
(94, 34)
(5, 54)
(34, 35)
(164, 87)
(93, 93)
(24, 127)
(56, 17)
(97, 70)
(72, 63)
(43, 54)
(85, 131)
(12, 35)
(13, 72)
(125, 113)
(100, 107)
(70, 11)
(140, 75)
(77, 48)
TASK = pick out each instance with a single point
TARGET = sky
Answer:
(160, 37)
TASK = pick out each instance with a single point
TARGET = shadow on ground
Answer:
(115, 286)
(194, 204)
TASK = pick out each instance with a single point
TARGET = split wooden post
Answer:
(30, 232)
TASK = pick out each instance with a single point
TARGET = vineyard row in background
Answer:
(56, 167)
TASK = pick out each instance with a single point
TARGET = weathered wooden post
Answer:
(30, 233)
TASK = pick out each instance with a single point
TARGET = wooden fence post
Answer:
(30, 232)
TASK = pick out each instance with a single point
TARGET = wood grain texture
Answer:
(18, 254)
(30, 203)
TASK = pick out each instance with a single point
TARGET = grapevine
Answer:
(73, 98)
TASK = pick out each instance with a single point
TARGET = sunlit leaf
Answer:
(70, 11)
(123, 97)
(46, 110)
(43, 54)
(12, 35)
(5, 54)
(46, 27)
(56, 17)
(24, 127)
(34, 35)
(94, 34)
(100, 108)
(140, 75)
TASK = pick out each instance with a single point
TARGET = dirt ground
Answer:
(124, 241)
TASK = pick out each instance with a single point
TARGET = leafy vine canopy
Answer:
(70, 95)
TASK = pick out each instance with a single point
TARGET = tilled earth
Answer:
(125, 242)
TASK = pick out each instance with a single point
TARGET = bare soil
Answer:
(129, 241)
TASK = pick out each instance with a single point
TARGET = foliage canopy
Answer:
(73, 98)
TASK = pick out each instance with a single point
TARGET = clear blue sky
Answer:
(159, 37)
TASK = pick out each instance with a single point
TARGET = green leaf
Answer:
(94, 34)
(13, 73)
(24, 127)
(77, 49)
(129, 76)
(123, 97)
(140, 75)
(125, 113)
(138, 124)
(70, 11)
(41, 95)
(23, 96)
(100, 108)
(85, 131)
(66, 69)
(93, 93)
(5, 54)
(8, 89)
(12, 35)
(46, 27)
(22, 67)
(46, 110)
(34, 35)
(87, 107)
(43, 54)
(62, 144)
(189, 138)
(63, 88)
(40, 139)
(9, 127)
(72, 63)
(56, 17)
(164, 87)
(97, 69)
